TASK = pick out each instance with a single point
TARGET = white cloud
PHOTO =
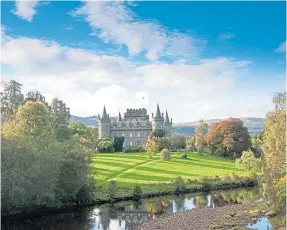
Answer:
(281, 48)
(114, 22)
(226, 36)
(25, 9)
(86, 80)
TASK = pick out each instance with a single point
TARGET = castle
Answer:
(135, 126)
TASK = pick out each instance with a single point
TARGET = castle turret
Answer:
(120, 117)
(157, 123)
(104, 124)
(167, 125)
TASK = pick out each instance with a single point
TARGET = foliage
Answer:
(183, 156)
(60, 111)
(37, 168)
(248, 161)
(274, 151)
(137, 191)
(190, 143)
(112, 190)
(105, 145)
(118, 143)
(228, 138)
(175, 142)
(200, 133)
(134, 149)
(156, 144)
(35, 96)
(11, 98)
(256, 143)
(179, 185)
(157, 133)
(165, 155)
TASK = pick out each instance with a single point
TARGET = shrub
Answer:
(179, 185)
(105, 145)
(134, 149)
(112, 190)
(137, 192)
(183, 156)
(165, 155)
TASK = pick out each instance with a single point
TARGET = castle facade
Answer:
(135, 126)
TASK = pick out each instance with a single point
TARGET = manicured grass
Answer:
(139, 168)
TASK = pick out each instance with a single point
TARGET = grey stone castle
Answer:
(135, 126)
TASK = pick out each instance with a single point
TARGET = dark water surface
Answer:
(126, 215)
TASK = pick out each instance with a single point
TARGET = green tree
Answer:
(60, 111)
(105, 145)
(35, 96)
(177, 141)
(200, 133)
(11, 98)
(249, 161)
(118, 143)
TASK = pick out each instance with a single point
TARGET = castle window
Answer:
(131, 134)
(131, 143)
(147, 134)
(123, 134)
(138, 142)
(139, 134)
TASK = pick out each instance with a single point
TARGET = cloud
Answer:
(86, 80)
(225, 36)
(114, 22)
(25, 9)
(281, 48)
(208, 73)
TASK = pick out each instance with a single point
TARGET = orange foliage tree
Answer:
(228, 138)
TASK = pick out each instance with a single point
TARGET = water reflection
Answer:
(261, 223)
(122, 216)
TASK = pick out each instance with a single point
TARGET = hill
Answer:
(254, 124)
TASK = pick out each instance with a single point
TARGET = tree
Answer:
(200, 132)
(248, 161)
(190, 143)
(157, 133)
(11, 98)
(274, 138)
(105, 145)
(177, 141)
(60, 111)
(35, 96)
(228, 138)
(118, 143)
(256, 143)
(274, 152)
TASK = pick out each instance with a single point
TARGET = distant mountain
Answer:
(254, 124)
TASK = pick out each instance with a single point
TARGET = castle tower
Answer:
(104, 124)
(157, 123)
(167, 125)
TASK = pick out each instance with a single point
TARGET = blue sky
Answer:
(196, 59)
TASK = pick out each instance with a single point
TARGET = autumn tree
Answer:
(228, 138)
(274, 151)
(200, 133)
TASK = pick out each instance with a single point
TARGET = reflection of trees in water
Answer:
(200, 201)
(179, 203)
(69, 221)
(159, 207)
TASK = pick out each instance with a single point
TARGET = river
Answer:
(127, 215)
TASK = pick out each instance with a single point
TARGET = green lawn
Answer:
(138, 168)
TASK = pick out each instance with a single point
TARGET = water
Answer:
(261, 224)
(126, 215)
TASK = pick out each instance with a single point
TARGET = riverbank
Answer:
(125, 194)
(224, 218)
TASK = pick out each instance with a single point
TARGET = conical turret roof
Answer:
(104, 112)
(157, 112)
(120, 116)
(166, 118)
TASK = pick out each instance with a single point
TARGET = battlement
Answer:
(136, 113)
